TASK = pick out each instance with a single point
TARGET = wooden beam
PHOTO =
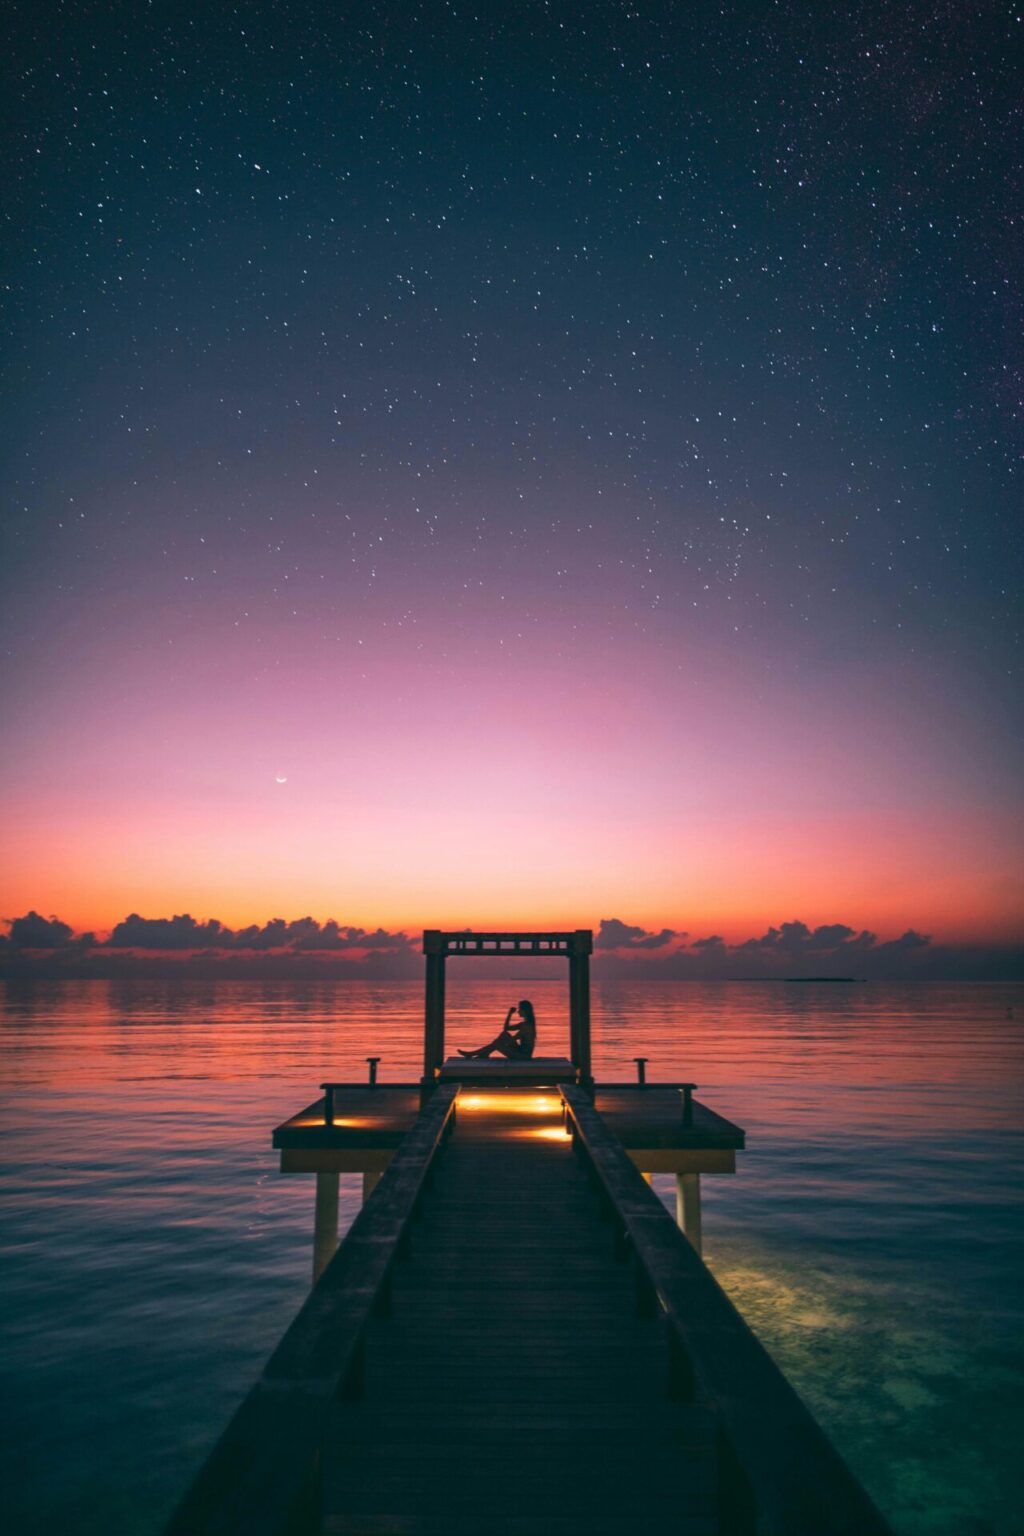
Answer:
(688, 1218)
(574, 1011)
(779, 1472)
(335, 1159)
(433, 1027)
(261, 1477)
(583, 1060)
(579, 942)
(325, 1221)
(682, 1159)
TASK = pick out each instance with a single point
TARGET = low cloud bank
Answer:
(304, 947)
(303, 934)
(615, 934)
(788, 944)
(159, 946)
(36, 932)
(794, 949)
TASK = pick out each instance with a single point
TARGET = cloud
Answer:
(795, 938)
(905, 943)
(283, 950)
(182, 932)
(837, 946)
(35, 932)
(302, 934)
(794, 949)
(332, 936)
(615, 934)
(273, 935)
(173, 946)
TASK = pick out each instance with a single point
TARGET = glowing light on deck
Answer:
(510, 1103)
(342, 1122)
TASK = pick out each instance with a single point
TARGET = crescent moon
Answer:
(281, 779)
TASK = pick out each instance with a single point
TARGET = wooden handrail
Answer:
(779, 1474)
(262, 1477)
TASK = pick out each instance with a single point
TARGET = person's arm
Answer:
(508, 1017)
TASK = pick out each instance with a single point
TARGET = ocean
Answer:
(872, 1235)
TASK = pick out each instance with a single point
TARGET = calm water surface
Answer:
(153, 1253)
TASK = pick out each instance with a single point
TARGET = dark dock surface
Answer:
(515, 1338)
(513, 1388)
(364, 1119)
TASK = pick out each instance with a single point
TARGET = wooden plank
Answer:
(652, 1117)
(260, 1478)
(512, 1364)
(513, 1359)
(335, 1160)
(780, 1473)
(467, 1523)
(682, 1159)
(364, 1117)
(495, 1071)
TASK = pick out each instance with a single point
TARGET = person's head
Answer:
(526, 1011)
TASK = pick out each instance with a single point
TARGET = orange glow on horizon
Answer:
(555, 806)
(963, 887)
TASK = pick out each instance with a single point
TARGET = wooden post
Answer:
(574, 1011)
(433, 1024)
(325, 1222)
(581, 965)
(688, 1207)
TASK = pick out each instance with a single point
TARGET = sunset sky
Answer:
(515, 467)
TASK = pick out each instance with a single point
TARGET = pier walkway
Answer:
(513, 1388)
(514, 1337)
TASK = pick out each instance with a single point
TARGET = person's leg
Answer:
(484, 1050)
(505, 1044)
(508, 1045)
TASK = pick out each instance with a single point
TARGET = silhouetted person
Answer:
(516, 1041)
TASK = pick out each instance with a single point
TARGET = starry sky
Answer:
(507, 464)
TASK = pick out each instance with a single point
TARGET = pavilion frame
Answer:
(576, 947)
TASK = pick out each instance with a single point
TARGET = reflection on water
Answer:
(153, 1253)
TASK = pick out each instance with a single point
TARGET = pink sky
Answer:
(546, 786)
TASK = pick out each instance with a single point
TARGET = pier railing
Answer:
(779, 1475)
(262, 1477)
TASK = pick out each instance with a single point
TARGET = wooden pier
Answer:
(515, 1336)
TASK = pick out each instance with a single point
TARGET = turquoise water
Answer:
(153, 1253)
